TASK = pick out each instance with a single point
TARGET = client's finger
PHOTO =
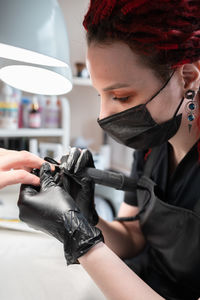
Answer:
(21, 159)
(17, 176)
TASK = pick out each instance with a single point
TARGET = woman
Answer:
(15, 167)
(144, 61)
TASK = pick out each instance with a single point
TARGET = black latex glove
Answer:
(53, 211)
(80, 188)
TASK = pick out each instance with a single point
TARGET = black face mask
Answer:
(136, 128)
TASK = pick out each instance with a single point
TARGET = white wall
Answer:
(84, 101)
(74, 11)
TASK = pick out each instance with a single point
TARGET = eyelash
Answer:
(121, 99)
(118, 99)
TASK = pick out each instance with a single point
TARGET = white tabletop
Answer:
(32, 264)
(33, 267)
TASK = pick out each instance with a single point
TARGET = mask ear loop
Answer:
(156, 94)
(162, 89)
(178, 107)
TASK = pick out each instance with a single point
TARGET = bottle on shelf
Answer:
(42, 108)
(34, 114)
(52, 113)
(24, 113)
(8, 108)
(59, 104)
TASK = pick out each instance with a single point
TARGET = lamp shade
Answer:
(33, 31)
(34, 47)
(35, 79)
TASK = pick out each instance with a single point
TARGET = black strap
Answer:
(150, 163)
(127, 219)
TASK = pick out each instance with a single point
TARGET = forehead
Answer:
(114, 62)
(117, 54)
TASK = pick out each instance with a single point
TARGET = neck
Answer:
(182, 142)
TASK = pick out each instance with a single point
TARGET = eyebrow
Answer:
(115, 86)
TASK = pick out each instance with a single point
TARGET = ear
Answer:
(191, 76)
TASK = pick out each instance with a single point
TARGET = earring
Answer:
(191, 107)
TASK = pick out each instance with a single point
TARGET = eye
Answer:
(121, 99)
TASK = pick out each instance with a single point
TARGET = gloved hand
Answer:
(52, 210)
(80, 188)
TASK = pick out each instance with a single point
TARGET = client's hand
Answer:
(52, 210)
(15, 167)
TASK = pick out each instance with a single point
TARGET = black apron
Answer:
(171, 260)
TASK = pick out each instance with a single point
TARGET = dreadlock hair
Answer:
(165, 33)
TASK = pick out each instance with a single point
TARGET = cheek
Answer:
(164, 108)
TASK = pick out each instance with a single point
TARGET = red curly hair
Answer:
(167, 31)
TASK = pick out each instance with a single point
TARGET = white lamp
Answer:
(36, 79)
(33, 32)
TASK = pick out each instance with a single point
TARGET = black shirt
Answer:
(182, 188)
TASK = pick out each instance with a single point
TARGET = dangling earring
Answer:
(191, 107)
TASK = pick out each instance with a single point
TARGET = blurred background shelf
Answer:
(48, 135)
(26, 132)
(82, 81)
